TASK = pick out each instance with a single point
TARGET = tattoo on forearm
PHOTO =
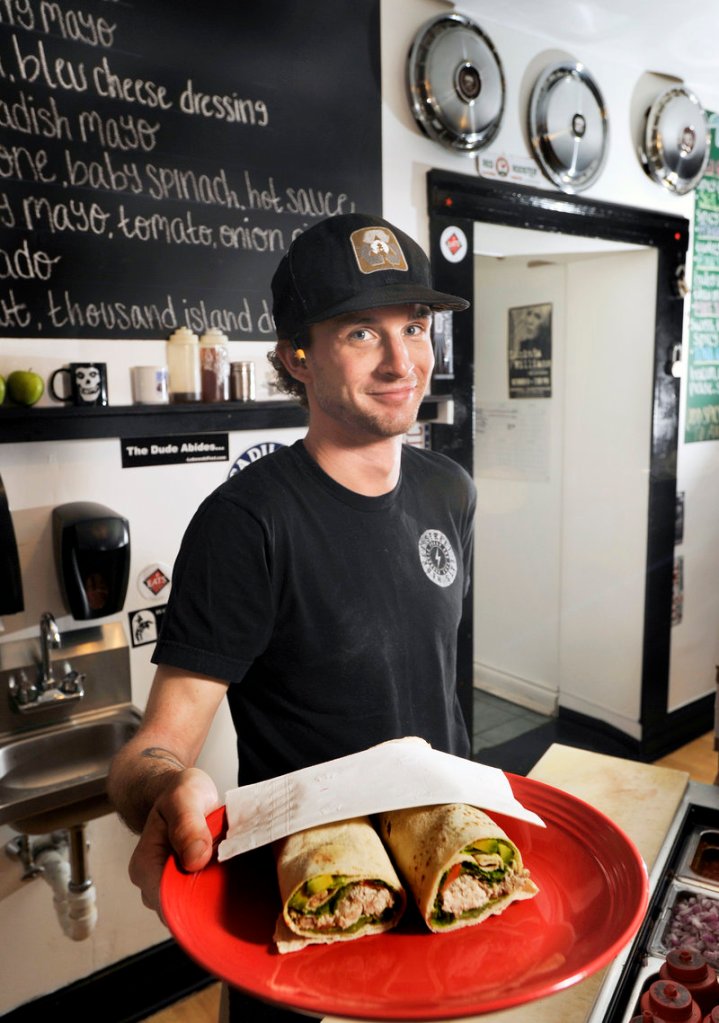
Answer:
(158, 753)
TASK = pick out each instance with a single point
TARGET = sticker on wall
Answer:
(453, 244)
(443, 344)
(174, 449)
(678, 590)
(418, 436)
(154, 581)
(145, 624)
(504, 167)
(679, 518)
(253, 454)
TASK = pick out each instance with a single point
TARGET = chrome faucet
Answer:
(49, 637)
(45, 690)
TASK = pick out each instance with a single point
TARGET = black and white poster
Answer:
(529, 350)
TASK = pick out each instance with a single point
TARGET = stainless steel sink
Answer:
(54, 760)
(56, 775)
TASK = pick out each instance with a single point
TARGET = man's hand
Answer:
(176, 824)
(153, 785)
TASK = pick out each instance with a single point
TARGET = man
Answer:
(320, 589)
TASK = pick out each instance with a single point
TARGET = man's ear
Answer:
(292, 359)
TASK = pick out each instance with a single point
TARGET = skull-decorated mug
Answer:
(86, 384)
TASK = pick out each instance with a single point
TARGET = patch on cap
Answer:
(377, 248)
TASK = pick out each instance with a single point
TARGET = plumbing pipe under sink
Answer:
(55, 759)
(62, 861)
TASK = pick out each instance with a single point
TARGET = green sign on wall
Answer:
(702, 375)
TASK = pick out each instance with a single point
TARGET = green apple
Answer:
(25, 387)
(2, 390)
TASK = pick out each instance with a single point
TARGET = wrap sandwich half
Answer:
(460, 866)
(337, 883)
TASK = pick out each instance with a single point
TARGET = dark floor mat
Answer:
(518, 756)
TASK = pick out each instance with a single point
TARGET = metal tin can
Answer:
(242, 381)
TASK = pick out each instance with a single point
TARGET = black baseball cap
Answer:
(347, 263)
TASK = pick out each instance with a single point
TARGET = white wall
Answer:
(519, 493)
(607, 437)
(39, 476)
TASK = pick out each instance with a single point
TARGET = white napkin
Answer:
(393, 775)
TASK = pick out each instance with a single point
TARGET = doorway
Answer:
(629, 683)
(562, 475)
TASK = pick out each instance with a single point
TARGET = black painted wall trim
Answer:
(679, 727)
(457, 440)
(125, 992)
(462, 196)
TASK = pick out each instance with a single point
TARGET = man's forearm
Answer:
(179, 712)
(137, 778)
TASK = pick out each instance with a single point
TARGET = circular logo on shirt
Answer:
(437, 557)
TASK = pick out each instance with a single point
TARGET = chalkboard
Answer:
(157, 157)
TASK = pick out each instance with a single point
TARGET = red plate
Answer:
(593, 896)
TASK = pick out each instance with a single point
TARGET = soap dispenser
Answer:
(92, 558)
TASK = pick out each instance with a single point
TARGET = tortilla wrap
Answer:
(337, 883)
(460, 866)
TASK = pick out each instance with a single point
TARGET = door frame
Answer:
(457, 201)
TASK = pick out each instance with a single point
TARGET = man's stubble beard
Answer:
(367, 422)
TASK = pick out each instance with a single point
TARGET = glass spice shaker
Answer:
(183, 366)
(214, 366)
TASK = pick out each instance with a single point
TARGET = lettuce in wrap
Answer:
(337, 883)
(459, 864)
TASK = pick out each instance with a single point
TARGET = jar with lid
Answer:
(690, 968)
(214, 366)
(183, 366)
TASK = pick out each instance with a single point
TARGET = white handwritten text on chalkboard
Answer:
(140, 190)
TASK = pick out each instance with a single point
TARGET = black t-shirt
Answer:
(332, 615)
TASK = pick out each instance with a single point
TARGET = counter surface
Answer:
(617, 788)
